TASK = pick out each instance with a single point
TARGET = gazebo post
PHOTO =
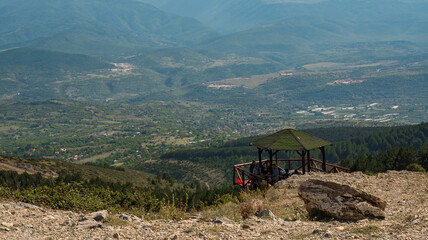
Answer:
(309, 161)
(270, 160)
(260, 156)
(323, 159)
(303, 161)
(276, 157)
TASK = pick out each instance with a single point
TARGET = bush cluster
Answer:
(72, 192)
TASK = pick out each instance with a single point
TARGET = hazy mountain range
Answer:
(95, 26)
(173, 46)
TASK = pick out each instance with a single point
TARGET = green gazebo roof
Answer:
(290, 139)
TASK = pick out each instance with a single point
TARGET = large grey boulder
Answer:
(342, 202)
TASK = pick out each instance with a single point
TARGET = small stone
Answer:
(90, 224)
(266, 213)
(124, 217)
(245, 226)
(146, 225)
(416, 221)
(136, 219)
(4, 228)
(221, 220)
(175, 237)
(202, 235)
(316, 231)
(81, 218)
(26, 205)
(99, 216)
(327, 235)
(116, 235)
(7, 224)
(196, 215)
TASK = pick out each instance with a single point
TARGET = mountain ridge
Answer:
(118, 25)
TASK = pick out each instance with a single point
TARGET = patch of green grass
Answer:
(365, 230)
(189, 230)
(409, 218)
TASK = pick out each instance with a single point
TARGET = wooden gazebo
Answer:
(287, 140)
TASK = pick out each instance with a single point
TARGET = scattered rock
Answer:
(81, 218)
(99, 216)
(245, 226)
(316, 231)
(328, 234)
(329, 199)
(266, 213)
(26, 205)
(124, 217)
(221, 220)
(4, 228)
(147, 225)
(90, 224)
(7, 224)
(116, 235)
(374, 235)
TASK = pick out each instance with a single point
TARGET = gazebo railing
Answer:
(242, 177)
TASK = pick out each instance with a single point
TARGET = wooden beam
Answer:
(309, 161)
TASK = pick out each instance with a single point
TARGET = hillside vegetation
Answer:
(62, 185)
(52, 168)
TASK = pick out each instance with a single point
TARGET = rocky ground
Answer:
(406, 194)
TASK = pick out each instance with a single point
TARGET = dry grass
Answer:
(112, 220)
(253, 203)
(365, 230)
(229, 210)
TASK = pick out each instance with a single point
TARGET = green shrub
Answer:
(414, 167)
